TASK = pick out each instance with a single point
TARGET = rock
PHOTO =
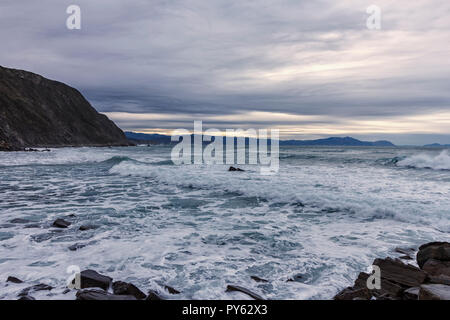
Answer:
(235, 169)
(19, 220)
(38, 112)
(353, 293)
(441, 279)
(88, 227)
(258, 279)
(93, 294)
(76, 246)
(26, 297)
(171, 290)
(123, 288)
(61, 223)
(433, 250)
(93, 279)
(411, 293)
(436, 267)
(38, 287)
(434, 292)
(405, 251)
(231, 288)
(296, 278)
(14, 280)
(153, 295)
(389, 290)
(397, 272)
(406, 258)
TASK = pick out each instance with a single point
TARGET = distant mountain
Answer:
(38, 112)
(437, 145)
(334, 141)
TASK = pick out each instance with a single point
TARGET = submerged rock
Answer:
(434, 292)
(14, 280)
(37, 287)
(231, 288)
(61, 223)
(171, 290)
(87, 227)
(93, 294)
(76, 246)
(235, 169)
(19, 220)
(296, 278)
(124, 288)
(93, 279)
(258, 279)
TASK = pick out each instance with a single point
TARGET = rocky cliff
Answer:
(38, 112)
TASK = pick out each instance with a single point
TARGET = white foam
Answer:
(428, 161)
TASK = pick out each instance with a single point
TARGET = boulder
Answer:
(93, 294)
(434, 292)
(402, 274)
(433, 250)
(124, 288)
(389, 290)
(441, 279)
(255, 296)
(37, 287)
(352, 293)
(411, 293)
(153, 295)
(93, 279)
(437, 267)
(13, 280)
(61, 223)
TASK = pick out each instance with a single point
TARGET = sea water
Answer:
(320, 220)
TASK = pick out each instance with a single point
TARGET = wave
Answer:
(427, 161)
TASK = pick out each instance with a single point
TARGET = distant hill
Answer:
(334, 141)
(437, 145)
(38, 112)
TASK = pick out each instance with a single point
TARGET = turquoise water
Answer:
(325, 216)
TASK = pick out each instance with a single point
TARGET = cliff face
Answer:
(38, 112)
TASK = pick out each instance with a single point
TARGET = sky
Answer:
(311, 69)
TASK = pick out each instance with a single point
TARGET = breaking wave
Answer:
(427, 161)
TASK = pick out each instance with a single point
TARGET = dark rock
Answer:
(93, 294)
(388, 289)
(436, 267)
(14, 280)
(38, 112)
(231, 288)
(441, 279)
(61, 223)
(32, 225)
(397, 272)
(26, 297)
(171, 290)
(353, 293)
(433, 250)
(235, 169)
(405, 251)
(93, 279)
(76, 246)
(153, 295)
(88, 227)
(411, 293)
(258, 279)
(37, 287)
(123, 288)
(434, 292)
(19, 220)
(406, 258)
(296, 278)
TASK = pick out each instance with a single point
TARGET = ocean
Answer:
(322, 219)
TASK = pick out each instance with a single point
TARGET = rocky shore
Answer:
(429, 280)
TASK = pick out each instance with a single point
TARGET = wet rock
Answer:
(436, 267)
(389, 290)
(231, 288)
(88, 227)
(32, 225)
(153, 295)
(235, 169)
(93, 279)
(93, 294)
(353, 294)
(76, 246)
(38, 287)
(434, 292)
(258, 279)
(19, 220)
(441, 279)
(406, 258)
(405, 251)
(61, 223)
(26, 297)
(433, 250)
(14, 280)
(296, 278)
(171, 290)
(411, 293)
(398, 272)
(124, 288)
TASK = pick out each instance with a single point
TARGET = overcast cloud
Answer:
(310, 68)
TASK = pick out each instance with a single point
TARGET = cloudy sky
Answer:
(309, 68)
